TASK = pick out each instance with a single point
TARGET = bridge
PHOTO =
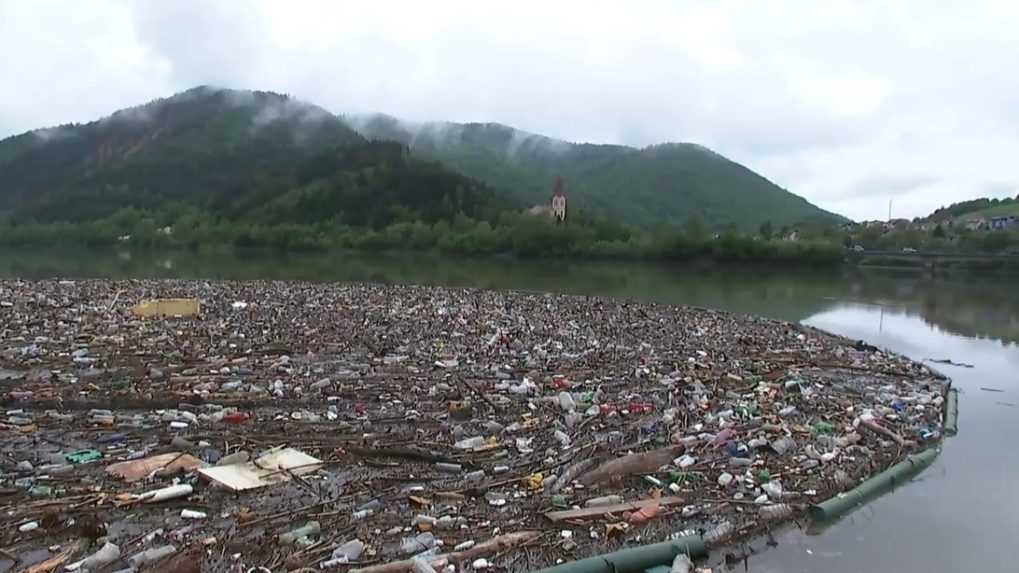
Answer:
(929, 259)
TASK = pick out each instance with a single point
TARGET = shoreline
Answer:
(428, 367)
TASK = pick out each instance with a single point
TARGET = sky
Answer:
(851, 104)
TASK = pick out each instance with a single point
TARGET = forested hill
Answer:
(255, 156)
(661, 184)
(266, 158)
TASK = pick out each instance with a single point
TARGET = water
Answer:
(960, 514)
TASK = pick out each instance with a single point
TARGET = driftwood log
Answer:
(633, 464)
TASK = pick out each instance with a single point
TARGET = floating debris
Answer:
(326, 424)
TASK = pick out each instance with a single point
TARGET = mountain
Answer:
(267, 158)
(256, 156)
(661, 184)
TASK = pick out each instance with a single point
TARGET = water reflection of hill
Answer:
(981, 306)
(969, 305)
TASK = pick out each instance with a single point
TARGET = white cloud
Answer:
(848, 103)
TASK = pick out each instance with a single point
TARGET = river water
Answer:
(959, 515)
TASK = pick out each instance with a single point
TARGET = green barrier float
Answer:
(635, 559)
(876, 486)
(952, 412)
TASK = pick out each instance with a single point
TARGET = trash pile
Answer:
(286, 425)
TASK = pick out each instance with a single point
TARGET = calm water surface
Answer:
(961, 514)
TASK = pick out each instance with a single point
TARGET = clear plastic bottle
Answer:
(311, 528)
(417, 544)
(470, 443)
(349, 551)
(151, 555)
(776, 512)
(681, 564)
(719, 533)
(107, 554)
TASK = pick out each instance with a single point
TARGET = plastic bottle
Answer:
(30, 526)
(427, 519)
(773, 489)
(719, 533)
(685, 461)
(562, 438)
(417, 544)
(775, 512)
(470, 443)
(311, 528)
(191, 514)
(449, 522)
(107, 554)
(346, 553)
(566, 402)
(370, 505)
(172, 492)
(681, 564)
(55, 469)
(604, 500)
(151, 555)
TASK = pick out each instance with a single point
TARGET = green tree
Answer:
(766, 230)
(695, 229)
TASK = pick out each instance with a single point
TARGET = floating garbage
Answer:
(280, 417)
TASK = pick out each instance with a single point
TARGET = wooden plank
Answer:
(274, 467)
(589, 512)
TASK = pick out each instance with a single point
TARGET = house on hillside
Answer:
(1005, 222)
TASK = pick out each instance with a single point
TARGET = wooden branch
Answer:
(492, 546)
(881, 430)
(589, 512)
(642, 463)
(403, 453)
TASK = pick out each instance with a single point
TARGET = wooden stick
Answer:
(490, 547)
(642, 463)
(589, 512)
(403, 453)
(114, 301)
(881, 430)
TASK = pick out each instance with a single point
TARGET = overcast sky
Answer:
(849, 104)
